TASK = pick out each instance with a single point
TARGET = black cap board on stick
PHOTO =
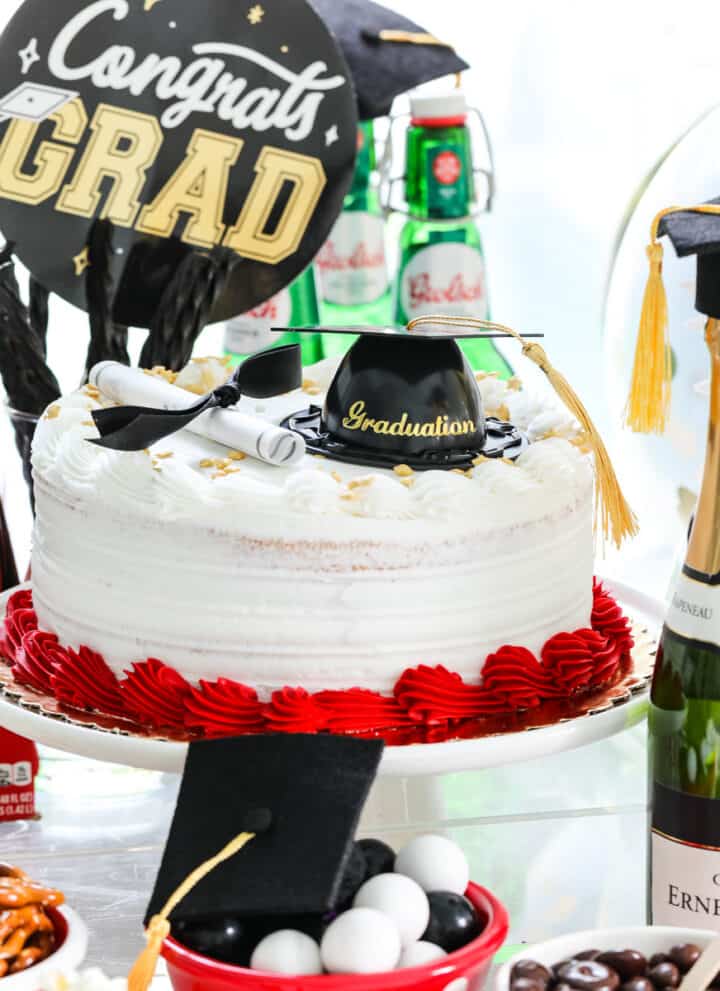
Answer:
(307, 791)
(387, 54)
(693, 230)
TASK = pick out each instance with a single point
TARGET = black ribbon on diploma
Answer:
(133, 428)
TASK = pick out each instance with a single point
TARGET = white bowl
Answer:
(64, 960)
(646, 939)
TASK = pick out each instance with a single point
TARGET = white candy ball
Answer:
(287, 951)
(399, 897)
(417, 954)
(360, 941)
(436, 863)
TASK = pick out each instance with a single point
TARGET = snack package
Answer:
(18, 768)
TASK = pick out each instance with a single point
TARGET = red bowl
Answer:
(190, 971)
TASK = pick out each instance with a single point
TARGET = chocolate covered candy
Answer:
(684, 956)
(588, 975)
(664, 975)
(532, 970)
(638, 984)
(625, 963)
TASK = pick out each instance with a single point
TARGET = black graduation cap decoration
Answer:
(388, 54)
(693, 230)
(408, 396)
(291, 804)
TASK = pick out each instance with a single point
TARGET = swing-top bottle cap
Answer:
(434, 110)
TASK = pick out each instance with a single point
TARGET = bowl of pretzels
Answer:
(39, 935)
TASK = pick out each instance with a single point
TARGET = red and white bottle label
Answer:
(447, 168)
(351, 264)
(685, 884)
(252, 330)
(445, 278)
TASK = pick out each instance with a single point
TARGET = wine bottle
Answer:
(684, 718)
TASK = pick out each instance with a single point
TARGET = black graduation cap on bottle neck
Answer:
(305, 792)
(403, 396)
(695, 233)
(388, 54)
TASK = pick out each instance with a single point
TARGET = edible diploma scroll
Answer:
(239, 431)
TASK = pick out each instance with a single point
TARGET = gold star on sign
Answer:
(82, 261)
(149, 4)
(256, 14)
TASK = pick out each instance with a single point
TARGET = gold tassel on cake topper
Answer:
(158, 928)
(612, 512)
(648, 403)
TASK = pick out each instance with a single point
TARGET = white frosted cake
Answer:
(192, 587)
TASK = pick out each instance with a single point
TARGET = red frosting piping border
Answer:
(429, 698)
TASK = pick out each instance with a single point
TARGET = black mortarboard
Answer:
(406, 396)
(693, 230)
(307, 790)
(694, 233)
(388, 54)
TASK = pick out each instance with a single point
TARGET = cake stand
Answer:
(629, 707)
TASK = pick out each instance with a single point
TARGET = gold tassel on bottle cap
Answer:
(159, 928)
(613, 514)
(648, 403)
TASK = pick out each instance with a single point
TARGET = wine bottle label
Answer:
(444, 278)
(352, 264)
(447, 180)
(694, 611)
(252, 331)
(685, 860)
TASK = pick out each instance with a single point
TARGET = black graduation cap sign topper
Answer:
(301, 795)
(388, 54)
(188, 127)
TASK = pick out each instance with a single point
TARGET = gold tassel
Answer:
(412, 38)
(648, 402)
(157, 931)
(612, 512)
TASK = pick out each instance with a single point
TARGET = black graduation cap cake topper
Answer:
(188, 127)
(290, 803)
(390, 404)
(693, 230)
(409, 397)
(135, 428)
(388, 54)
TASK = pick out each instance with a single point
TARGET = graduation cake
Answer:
(400, 545)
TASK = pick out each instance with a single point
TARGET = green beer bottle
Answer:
(294, 306)
(442, 268)
(352, 268)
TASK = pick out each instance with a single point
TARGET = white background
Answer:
(581, 98)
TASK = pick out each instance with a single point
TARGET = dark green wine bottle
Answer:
(684, 719)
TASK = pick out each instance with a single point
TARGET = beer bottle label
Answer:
(252, 331)
(352, 265)
(446, 277)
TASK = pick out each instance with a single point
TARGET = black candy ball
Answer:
(453, 921)
(228, 940)
(380, 857)
(354, 876)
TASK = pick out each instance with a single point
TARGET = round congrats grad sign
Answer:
(187, 124)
